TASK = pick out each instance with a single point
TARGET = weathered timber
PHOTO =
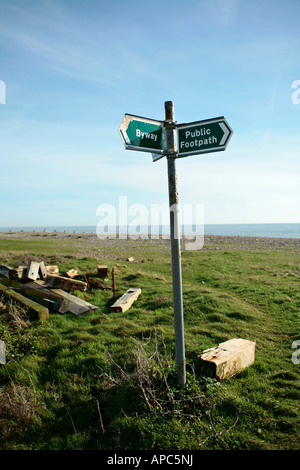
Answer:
(127, 299)
(41, 294)
(55, 299)
(33, 307)
(97, 283)
(33, 270)
(11, 283)
(228, 358)
(102, 271)
(43, 270)
(60, 282)
(52, 269)
(74, 304)
(20, 272)
(72, 273)
(114, 282)
(7, 271)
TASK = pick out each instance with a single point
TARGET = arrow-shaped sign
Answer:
(211, 135)
(143, 134)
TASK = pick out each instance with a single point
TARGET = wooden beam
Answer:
(74, 304)
(97, 283)
(102, 271)
(41, 294)
(60, 282)
(33, 307)
(6, 271)
(228, 358)
(127, 299)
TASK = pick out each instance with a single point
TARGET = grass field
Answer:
(108, 381)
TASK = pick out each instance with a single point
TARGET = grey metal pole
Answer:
(175, 244)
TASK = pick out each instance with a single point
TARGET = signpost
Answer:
(159, 138)
(142, 134)
(211, 135)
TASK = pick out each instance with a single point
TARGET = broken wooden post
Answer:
(127, 299)
(114, 283)
(33, 270)
(228, 358)
(102, 271)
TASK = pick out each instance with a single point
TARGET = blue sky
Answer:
(72, 69)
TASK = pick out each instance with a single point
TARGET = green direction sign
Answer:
(143, 134)
(211, 135)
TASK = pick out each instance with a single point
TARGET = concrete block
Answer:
(228, 358)
(2, 353)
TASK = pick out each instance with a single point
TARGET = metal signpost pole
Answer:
(158, 137)
(175, 244)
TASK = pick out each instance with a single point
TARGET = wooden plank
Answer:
(127, 299)
(11, 283)
(75, 304)
(228, 358)
(33, 270)
(33, 307)
(36, 291)
(42, 295)
(60, 282)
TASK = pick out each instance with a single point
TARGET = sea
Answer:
(282, 230)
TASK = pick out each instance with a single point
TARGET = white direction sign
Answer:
(210, 135)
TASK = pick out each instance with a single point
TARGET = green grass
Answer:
(108, 380)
